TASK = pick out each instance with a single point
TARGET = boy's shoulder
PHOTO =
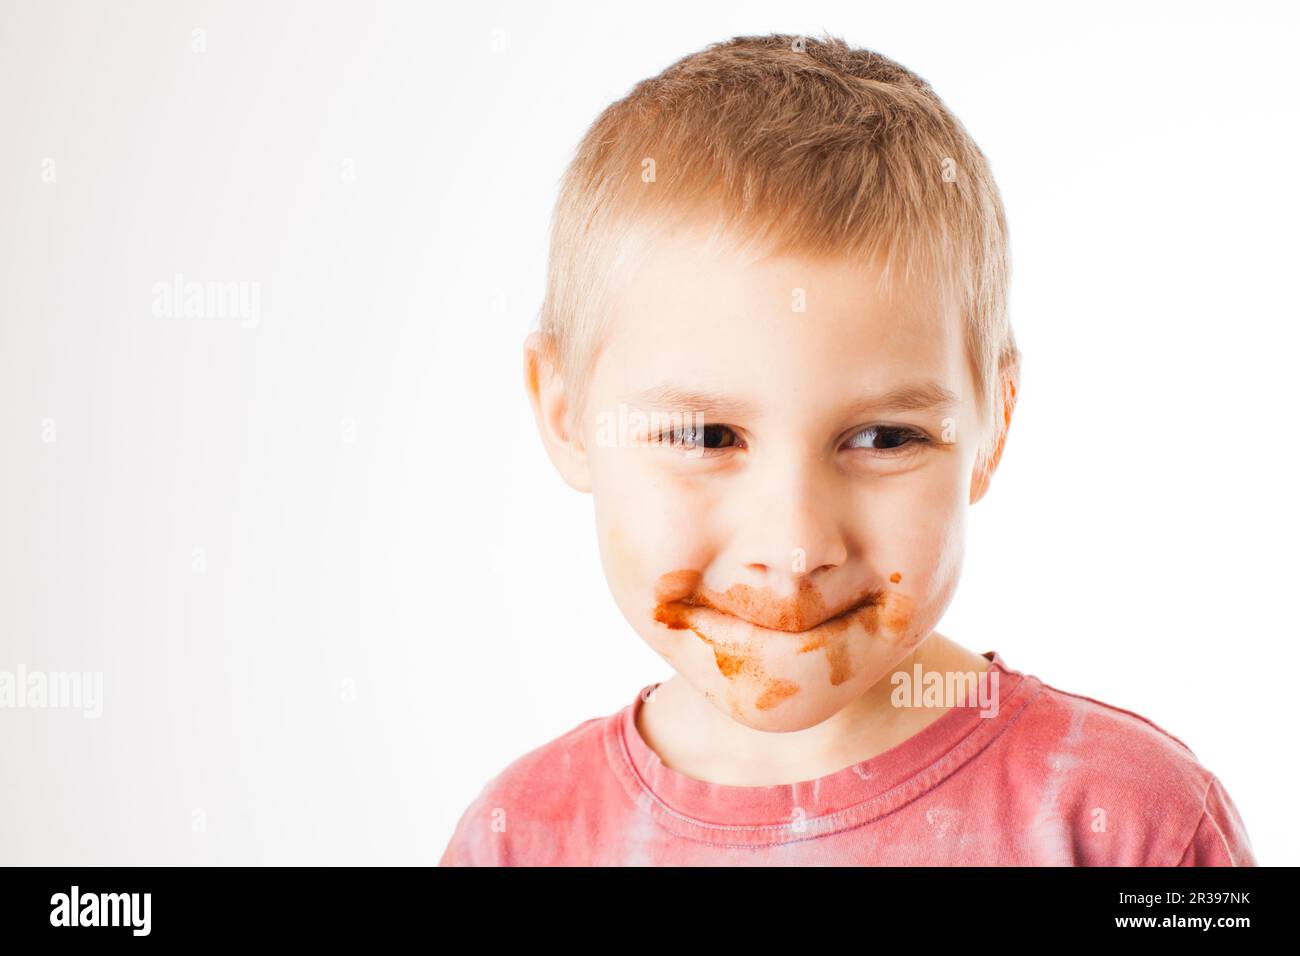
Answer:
(1141, 792)
(529, 809)
(1079, 728)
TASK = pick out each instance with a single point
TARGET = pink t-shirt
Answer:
(1053, 779)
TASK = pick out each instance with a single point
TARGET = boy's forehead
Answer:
(699, 316)
(682, 275)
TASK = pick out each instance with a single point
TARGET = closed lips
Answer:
(681, 598)
(780, 622)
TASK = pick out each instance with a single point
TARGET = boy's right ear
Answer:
(550, 401)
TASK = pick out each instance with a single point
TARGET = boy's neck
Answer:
(693, 737)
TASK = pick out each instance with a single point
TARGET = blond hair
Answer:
(795, 146)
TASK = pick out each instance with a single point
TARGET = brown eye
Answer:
(717, 436)
(708, 437)
(887, 439)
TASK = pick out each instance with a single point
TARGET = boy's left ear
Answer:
(983, 473)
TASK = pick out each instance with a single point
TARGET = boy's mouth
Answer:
(682, 603)
(680, 599)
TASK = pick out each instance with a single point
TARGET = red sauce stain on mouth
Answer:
(833, 637)
(798, 612)
(894, 613)
(678, 593)
(676, 586)
(885, 613)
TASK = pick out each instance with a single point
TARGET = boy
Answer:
(775, 349)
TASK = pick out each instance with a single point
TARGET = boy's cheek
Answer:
(643, 519)
(638, 541)
(923, 532)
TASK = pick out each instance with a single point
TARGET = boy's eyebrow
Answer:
(669, 396)
(914, 396)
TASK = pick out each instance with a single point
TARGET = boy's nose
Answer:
(791, 532)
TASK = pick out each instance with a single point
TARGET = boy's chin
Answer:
(790, 720)
(781, 705)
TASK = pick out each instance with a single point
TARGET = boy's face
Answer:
(788, 556)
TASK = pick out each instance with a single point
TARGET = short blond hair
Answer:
(796, 146)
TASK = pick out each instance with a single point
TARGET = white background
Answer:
(319, 650)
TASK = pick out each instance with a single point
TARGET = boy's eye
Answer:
(887, 439)
(707, 437)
